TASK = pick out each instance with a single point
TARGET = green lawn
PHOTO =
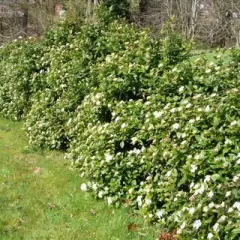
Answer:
(211, 54)
(40, 198)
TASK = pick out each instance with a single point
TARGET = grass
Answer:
(40, 198)
(210, 55)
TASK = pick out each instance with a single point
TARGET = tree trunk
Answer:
(143, 6)
(25, 18)
(90, 5)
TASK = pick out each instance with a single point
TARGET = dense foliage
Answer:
(18, 65)
(141, 121)
(119, 8)
(23, 65)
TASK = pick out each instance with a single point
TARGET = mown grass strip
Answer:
(40, 198)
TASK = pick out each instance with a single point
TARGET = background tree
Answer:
(209, 22)
(212, 22)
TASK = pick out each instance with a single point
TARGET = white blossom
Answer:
(216, 227)
(209, 236)
(193, 168)
(117, 119)
(166, 106)
(160, 213)
(179, 231)
(168, 174)
(84, 187)
(134, 140)
(180, 109)
(191, 211)
(228, 142)
(166, 154)
(130, 191)
(98, 95)
(188, 105)
(191, 120)
(109, 200)
(235, 178)
(210, 194)
(181, 89)
(207, 178)
(100, 194)
(148, 201)
(139, 199)
(108, 157)
(207, 109)
(197, 224)
(136, 151)
(175, 126)
(184, 142)
(157, 114)
(192, 185)
(183, 225)
(94, 187)
(233, 123)
(82, 175)
(237, 205)
(230, 210)
(211, 205)
(197, 156)
(184, 135)
(228, 194)
(200, 190)
(205, 209)
(222, 218)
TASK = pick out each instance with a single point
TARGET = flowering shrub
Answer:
(24, 64)
(174, 155)
(144, 124)
(17, 64)
(98, 54)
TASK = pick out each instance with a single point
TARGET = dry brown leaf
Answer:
(52, 205)
(38, 171)
(93, 212)
(168, 236)
(132, 227)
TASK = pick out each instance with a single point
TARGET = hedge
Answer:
(142, 122)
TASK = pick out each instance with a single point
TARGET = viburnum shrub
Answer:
(125, 74)
(174, 48)
(173, 154)
(23, 66)
(64, 74)
(120, 8)
(18, 62)
(64, 88)
(142, 122)
(112, 56)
